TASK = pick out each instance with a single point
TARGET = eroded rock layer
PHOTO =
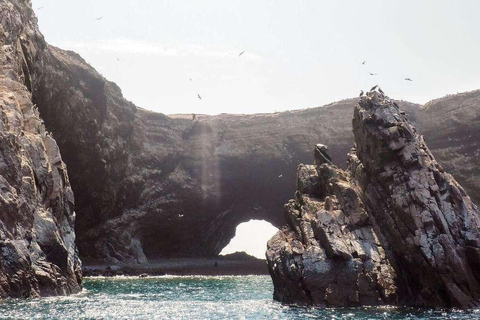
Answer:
(394, 228)
(38, 256)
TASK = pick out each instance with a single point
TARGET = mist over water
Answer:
(193, 297)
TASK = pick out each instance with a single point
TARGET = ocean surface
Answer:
(193, 297)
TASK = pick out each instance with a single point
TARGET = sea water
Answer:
(194, 297)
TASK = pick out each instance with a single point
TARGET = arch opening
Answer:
(251, 237)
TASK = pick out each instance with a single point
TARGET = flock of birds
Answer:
(376, 86)
(374, 74)
(200, 97)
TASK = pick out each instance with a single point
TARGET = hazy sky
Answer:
(298, 54)
(251, 237)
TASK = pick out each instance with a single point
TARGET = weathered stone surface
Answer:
(393, 229)
(38, 256)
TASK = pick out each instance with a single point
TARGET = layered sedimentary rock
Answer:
(394, 228)
(38, 256)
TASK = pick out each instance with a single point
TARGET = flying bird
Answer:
(199, 96)
(372, 74)
(241, 53)
(373, 88)
(118, 59)
(190, 79)
(364, 62)
(39, 8)
(361, 93)
(280, 176)
(408, 79)
(99, 18)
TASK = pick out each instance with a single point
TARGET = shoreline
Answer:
(180, 266)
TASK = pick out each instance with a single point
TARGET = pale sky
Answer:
(251, 237)
(298, 54)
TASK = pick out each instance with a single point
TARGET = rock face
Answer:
(38, 256)
(394, 228)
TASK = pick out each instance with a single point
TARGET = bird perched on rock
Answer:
(380, 90)
(321, 154)
(361, 93)
(374, 87)
(194, 116)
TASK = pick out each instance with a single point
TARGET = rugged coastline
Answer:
(84, 173)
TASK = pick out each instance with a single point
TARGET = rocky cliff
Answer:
(394, 228)
(38, 256)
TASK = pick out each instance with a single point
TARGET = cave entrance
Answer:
(251, 237)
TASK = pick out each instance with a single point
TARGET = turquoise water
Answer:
(169, 297)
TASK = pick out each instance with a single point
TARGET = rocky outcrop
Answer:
(38, 256)
(394, 228)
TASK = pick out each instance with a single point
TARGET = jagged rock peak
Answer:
(393, 228)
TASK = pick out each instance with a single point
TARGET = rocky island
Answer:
(392, 229)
